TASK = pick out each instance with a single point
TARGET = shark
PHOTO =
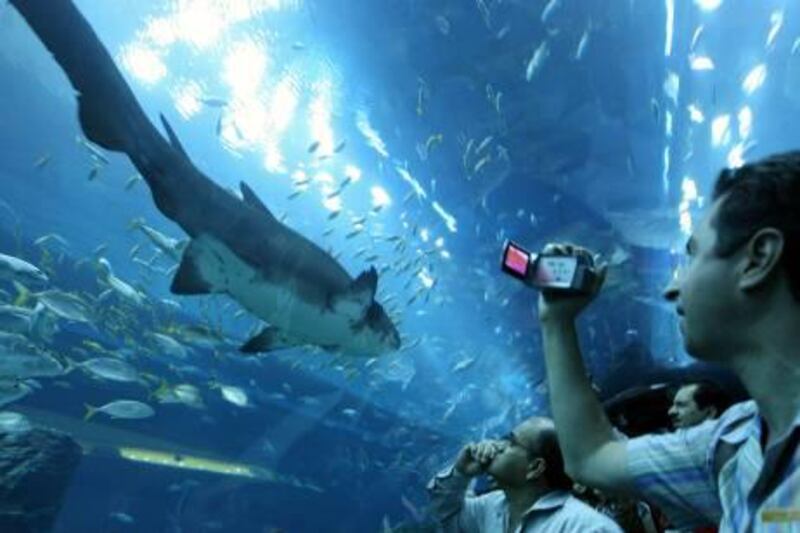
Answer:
(236, 245)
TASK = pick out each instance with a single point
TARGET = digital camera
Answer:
(562, 273)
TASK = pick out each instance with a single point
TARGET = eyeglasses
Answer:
(513, 441)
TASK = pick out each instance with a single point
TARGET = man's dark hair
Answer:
(710, 394)
(764, 193)
(547, 448)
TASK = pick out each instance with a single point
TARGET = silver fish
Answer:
(13, 268)
(234, 395)
(13, 390)
(110, 369)
(128, 409)
(65, 305)
(11, 422)
(170, 346)
(23, 363)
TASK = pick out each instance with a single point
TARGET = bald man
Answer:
(533, 493)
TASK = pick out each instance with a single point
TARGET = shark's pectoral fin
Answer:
(253, 201)
(95, 124)
(188, 279)
(267, 340)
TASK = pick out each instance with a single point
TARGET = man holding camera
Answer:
(738, 302)
(534, 490)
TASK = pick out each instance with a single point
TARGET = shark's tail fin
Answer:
(107, 108)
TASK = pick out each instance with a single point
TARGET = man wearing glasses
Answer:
(533, 493)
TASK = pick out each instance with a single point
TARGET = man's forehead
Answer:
(686, 392)
(527, 432)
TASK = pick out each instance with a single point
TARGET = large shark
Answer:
(237, 246)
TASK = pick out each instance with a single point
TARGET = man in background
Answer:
(533, 494)
(695, 403)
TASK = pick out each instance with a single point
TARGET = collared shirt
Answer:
(555, 512)
(716, 472)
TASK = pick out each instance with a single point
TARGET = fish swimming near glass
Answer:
(237, 245)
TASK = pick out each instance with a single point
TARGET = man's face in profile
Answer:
(704, 291)
(684, 412)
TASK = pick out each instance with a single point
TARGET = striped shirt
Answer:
(716, 472)
(456, 511)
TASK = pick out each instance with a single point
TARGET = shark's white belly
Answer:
(278, 305)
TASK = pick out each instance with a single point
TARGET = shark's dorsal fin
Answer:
(173, 139)
(252, 200)
(364, 286)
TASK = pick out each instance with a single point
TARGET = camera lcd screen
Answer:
(516, 261)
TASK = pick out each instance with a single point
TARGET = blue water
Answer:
(601, 132)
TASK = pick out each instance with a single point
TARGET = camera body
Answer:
(561, 273)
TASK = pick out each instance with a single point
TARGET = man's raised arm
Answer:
(592, 456)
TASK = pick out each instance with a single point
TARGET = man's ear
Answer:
(763, 253)
(536, 468)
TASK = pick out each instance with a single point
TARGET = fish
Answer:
(183, 393)
(122, 288)
(134, 250)
(583, 44)
(234, 395)
(354, 233)
(133, 180)
(237, 246)
(655, 108)
(442, 24)
(334, 214)
(170, 246)
(422, 95)
(339, 147)
(433, 141)
(295, 194)
(124, 518)
(42, 161)
(16, 269)
(11, 422)
(503, 32)
(213, 101)
(313, 147)
(464, 364)
(549, 9)
(126, 409)
(297, 45)
(93, 173)
(537, 60)
(24, 363)
(12, 340)
(109, 368)
(484, 144)
(498, 98)
(13, 390)
(95, 153)
(482, 163)
(44, 239)
(170, 346)
(65, 305)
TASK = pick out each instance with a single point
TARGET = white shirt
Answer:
(555, 512)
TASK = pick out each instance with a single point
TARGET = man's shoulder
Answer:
(739, 411)
(491, 498)
(579, 513)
